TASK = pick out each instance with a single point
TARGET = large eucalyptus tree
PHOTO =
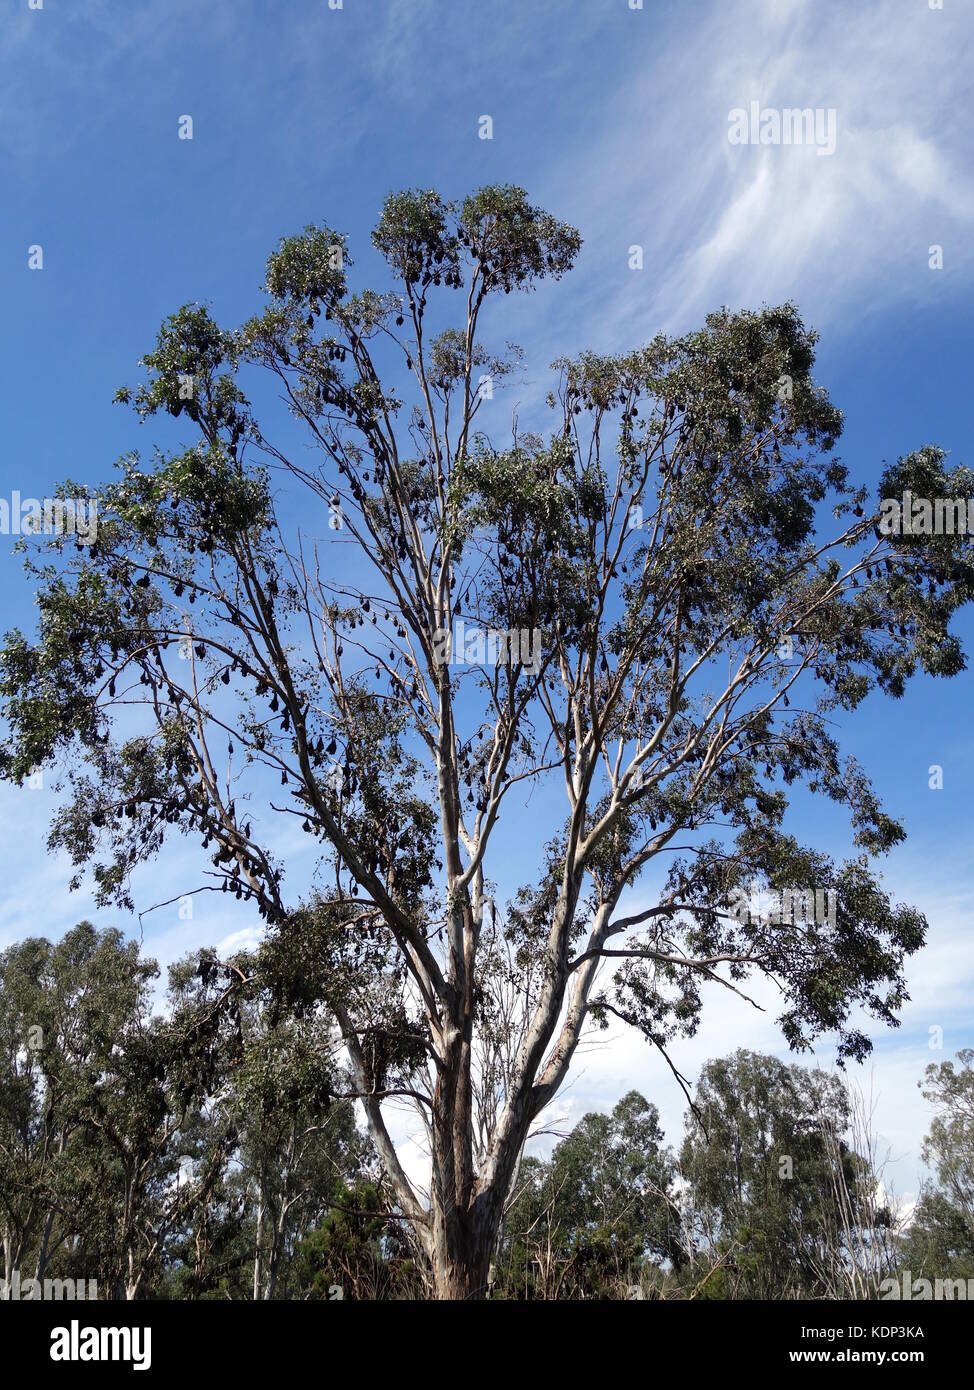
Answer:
(666, 599)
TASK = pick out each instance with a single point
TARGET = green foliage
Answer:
(196, 670)
(353, 1254)
(940, 1241)
(137, 1149)
(598, 1216)
(758, 1164)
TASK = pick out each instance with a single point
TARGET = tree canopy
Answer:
(673, 592)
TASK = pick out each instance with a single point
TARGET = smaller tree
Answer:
(66, 1013)
(297, 1142)
(152, 1157)
(284, 1102)
(950, 1143)
(600, 1212)
(25, 1126)
(940, 1241)
(356, 1252)
(760, 1160)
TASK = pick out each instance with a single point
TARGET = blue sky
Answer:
(617, 120)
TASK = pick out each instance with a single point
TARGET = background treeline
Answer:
(209, 1149)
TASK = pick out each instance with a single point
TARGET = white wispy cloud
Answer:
(723, 223)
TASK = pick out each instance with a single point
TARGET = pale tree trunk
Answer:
(279, 1218)
(258, 1247)
(133, 1280)
(460, 1229)
(463, 1248)
(274, 1258)
(133, 1276)
(466, 1211)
